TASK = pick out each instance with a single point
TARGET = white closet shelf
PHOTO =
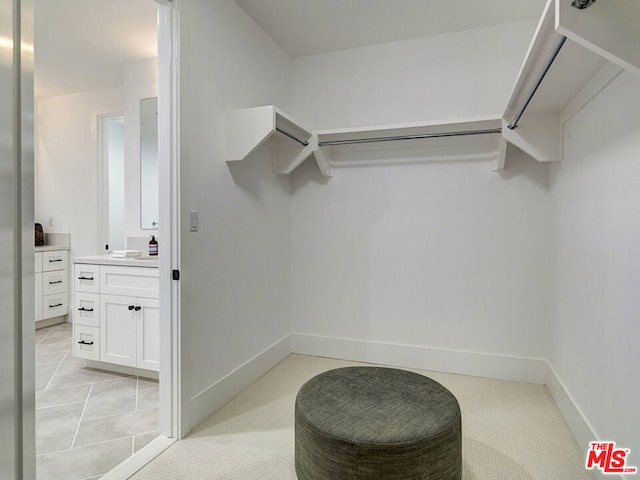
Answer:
(248, 129)
(447, 140)
(600, 41)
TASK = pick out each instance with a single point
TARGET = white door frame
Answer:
(169, 261)
(98, 118)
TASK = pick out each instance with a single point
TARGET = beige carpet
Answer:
(512, 431)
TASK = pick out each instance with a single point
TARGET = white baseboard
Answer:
(582, 430)
(503, 367)
(112, 367)
(216, 395)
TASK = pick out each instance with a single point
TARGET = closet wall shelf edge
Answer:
(600, 41)
(248, 129)
(443, 140)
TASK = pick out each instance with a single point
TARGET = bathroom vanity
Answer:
(116, 312)
(52, 284)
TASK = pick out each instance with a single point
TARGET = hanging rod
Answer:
(304, 143)
(555, 50)
(409, 137)
(582, 4)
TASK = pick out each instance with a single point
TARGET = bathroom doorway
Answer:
(103, 114)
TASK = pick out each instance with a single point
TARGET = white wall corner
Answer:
(572, 414)
(215, 396)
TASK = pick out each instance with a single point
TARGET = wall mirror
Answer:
(149, 211)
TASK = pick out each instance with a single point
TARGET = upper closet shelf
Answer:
(574, 54)
(461, 139)
(250, 128)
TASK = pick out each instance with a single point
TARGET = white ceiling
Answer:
(308, 27)
(81, 45)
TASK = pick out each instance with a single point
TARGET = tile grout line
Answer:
(56, 370)
(122, 414)
(99, 443)
(60, 405)
(84, 409)
(45, 336)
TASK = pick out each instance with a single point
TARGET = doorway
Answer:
(111, 182)
(169, 397)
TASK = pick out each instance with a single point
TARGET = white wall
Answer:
(596, 255)
(66, 156)
(235, 279)
(445, 255)
(66, 180)
(459, 74)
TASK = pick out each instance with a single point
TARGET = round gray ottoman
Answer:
(366, 423)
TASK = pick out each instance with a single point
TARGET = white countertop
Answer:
(143, 261)
(48, 248)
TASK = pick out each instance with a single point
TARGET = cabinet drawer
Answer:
(86, 278)
(86, 309)
(54, 282)
(38, 260)
(86, 342)
(54, 260)
(54, 305)
(130, 281)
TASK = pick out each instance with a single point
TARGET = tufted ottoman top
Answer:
(377, 406)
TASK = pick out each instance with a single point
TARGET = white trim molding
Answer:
(216, 395)
(503, 367)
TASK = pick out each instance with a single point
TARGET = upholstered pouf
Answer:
(365, 423)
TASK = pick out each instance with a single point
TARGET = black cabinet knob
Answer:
(138, 309)
(131, 307)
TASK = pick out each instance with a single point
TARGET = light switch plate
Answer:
(193, 221)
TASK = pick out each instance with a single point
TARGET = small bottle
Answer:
(153, 246)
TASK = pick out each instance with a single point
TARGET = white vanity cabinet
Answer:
(116, 316)
(51, 283)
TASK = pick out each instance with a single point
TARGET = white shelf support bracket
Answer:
(501, 155)
(246, 131)
(285, 164)
(539, 136)
(323, 160)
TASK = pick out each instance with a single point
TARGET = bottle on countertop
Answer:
(153, 246)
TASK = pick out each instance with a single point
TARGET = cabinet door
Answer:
(87, 309)
(54, 260)
(130, 281)
(118, 329)
(54, 282)
(148, 354)
(85, 342)
(54, 305)
(87, 278)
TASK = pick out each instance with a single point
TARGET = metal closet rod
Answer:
(555, 50)
(409, 137)
(304, 143)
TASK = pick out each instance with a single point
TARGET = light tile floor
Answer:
(87, 420)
